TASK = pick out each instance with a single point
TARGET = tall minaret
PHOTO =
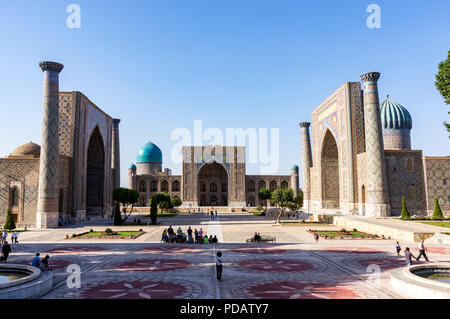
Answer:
(377, 201)
(115, 161)
(47, 207)
(306, 165)
(294, 179)
(132, 177)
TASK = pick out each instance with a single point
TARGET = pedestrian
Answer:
(422, 251)
(398, 248)
(200, 233)
(408, 256)
(164, 235)
(316, 237)
(216, 214)
(189, 232)
(170, 233)
(44, 264)
(6, 250)
(205, 240)
(289, 215)
(4, 236)
(215, 240)
(219, 265)
(196, 235)
(36, 261)
(210, 240)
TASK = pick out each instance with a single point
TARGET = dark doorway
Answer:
(95, 174)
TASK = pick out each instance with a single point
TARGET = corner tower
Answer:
(377, 203)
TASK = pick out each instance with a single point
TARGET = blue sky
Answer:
(160, 65)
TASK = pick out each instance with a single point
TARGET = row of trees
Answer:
(126, 197)
(437, 212)
(283, 198)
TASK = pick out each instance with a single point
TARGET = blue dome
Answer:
(132, 166)
(295, 167)
(149, 153)
(394, 116)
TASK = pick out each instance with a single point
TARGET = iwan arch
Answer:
(360, 159)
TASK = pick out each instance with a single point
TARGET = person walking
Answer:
(422, 251)
(6, 250)
(398, 248)
(216, 214)
(408, 257)
(219, 265)
(316, 237)
(4, 236)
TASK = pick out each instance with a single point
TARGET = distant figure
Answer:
(200, 233)
(206, 240)
(216, 214)
(6, 250)
(210, 239)
(36, 261)
(44, 263)
(4, 236)
(163, 236)
(196, 235)
(14, 237)
(219, 265)
(422, 251)
(215, 240)
(398, 248)
(316, 237)
(408, 257)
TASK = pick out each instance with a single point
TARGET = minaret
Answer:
(306, 165)
(115, 162)
(47, 207)
(294, 179)
(377, 201)
(132, 177)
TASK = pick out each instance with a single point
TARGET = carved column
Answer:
(115, 161)
(47, 208)
(306, 164)
(377, 201)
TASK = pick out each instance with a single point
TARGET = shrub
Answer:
(343, 230)
(259, 208)
(405, 213)
(141, 230)
(9, 224)
(153, 211)
(355, 230)
(91, 231)
(74, 235)
(437, 213)
(108, 231)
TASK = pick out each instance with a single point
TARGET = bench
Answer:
(264, 239)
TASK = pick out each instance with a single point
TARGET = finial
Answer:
(388, 96)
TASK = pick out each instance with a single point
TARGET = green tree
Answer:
(297, 202)
(117, 216)
(282, 197)
(9, 224)
(443, 83)
(127, 197)
(405, 213)
(264, 194)
(154, 210)
(437, 213)
(176, 201)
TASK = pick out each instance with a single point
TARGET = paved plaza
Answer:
(294, 267)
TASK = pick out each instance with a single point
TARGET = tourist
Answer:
(211, 215)
(289, 215)
(206, 240)
(6, 250)
(44, 264)
(189, 232)
(219, 266)
(200, 233)
(164, 235)
(398, 248)
(255, 237)
(184, 238)
(14, 238)
(422, 251)
(36, 261)
(170, 233)
(215, 240)
(196, 235)
(210, 240)
(316, 237)
(216, 214)
(408, 256)
(179, 234)
(4, 236)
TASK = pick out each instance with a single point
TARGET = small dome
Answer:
(28, 149)
(132, 166)
(149, 153)
(394, 115)
(295, 167)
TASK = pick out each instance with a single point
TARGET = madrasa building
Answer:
(69, 178)
(211, 176)
(360, 159)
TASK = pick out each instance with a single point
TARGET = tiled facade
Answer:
(350, 169)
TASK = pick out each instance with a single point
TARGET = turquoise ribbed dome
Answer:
(132, 166)
(149, 153)
(394, 116)
(295, 167)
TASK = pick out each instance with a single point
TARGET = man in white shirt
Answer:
(422, 251)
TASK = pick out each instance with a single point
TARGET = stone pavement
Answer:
(294, 267)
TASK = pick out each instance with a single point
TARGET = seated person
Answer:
(44, 264)
(36, 261)
(205, 239)
(215, 240)
(184, 238)
(210, 239)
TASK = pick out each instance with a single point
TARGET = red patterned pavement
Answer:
(154, 265)
(275, 265)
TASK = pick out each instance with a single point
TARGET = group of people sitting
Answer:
(42, 264)
(257, 237)
(190, 237)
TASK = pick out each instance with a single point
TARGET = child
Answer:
(398, 248)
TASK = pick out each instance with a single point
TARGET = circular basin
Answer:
(22, 281)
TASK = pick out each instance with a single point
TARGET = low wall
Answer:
(381, 230)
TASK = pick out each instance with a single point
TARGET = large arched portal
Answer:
(95, 174)
(330, 172)
(213, 185)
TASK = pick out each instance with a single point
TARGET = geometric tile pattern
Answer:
(437, 172)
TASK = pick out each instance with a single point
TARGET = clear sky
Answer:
(160, 65)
